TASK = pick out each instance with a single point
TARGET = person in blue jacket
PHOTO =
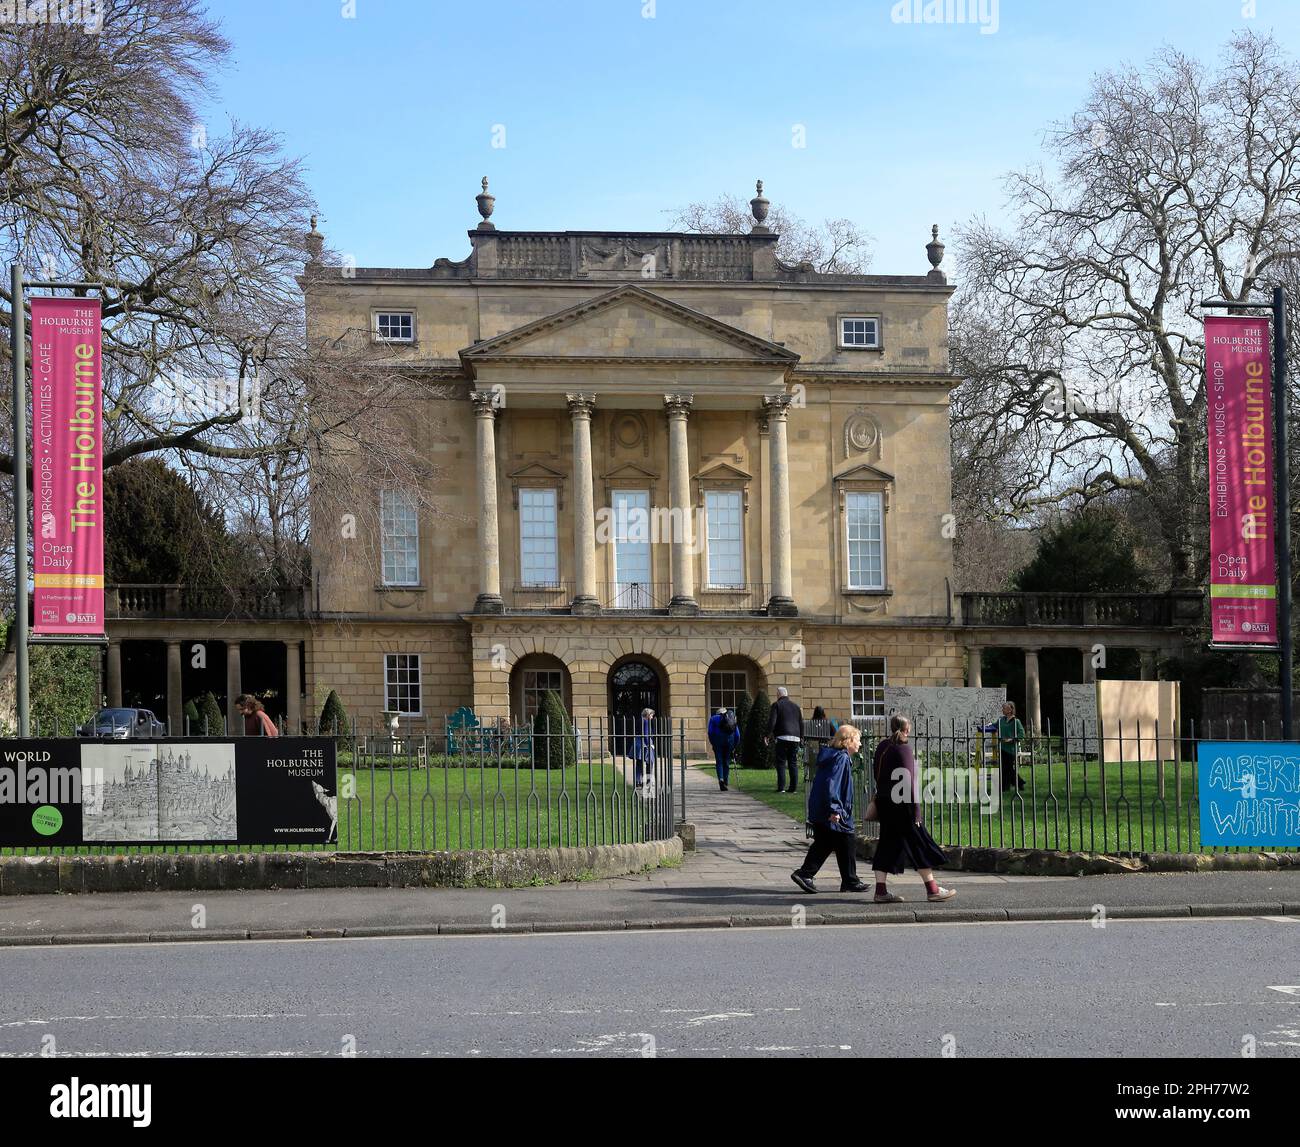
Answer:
(830, 812)
(724, 736)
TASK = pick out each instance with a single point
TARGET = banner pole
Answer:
(18, 346)
(1283, 512)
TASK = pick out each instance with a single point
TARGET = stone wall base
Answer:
(175, 872)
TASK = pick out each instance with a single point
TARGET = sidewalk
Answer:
(739, 876)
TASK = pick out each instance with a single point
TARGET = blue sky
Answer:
(610, 117)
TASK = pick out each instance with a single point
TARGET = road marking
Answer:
(1289, 989)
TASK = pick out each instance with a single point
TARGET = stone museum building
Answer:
(670, 469)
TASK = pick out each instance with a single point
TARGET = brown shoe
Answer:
(942, 894)
(887, 898)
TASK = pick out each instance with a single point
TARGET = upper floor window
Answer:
(723, 514)
(864, 523)
(539, 553)
(395, 326)
(859, 332)
(400, 538)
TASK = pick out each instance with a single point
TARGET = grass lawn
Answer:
(490, 808)
(1061, 808)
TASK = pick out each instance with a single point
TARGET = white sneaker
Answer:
(942, 894)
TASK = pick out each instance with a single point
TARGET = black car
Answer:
(123, 725)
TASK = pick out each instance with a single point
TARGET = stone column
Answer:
(489, 545)
(114, 674)
(974, 666)
(781, 603)
(175, 702)
(683, 541)
(1033, 692)
(584, 506)
(1147, 659)
(234, 687)
(1089, 669)
(292, 687)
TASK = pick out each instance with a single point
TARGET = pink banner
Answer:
(67, 467)
(1239, 407)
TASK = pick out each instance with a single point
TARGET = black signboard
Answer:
(253, 790)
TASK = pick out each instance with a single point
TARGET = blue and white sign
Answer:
(1250, 793)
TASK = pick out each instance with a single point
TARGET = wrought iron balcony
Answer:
(1171, 610)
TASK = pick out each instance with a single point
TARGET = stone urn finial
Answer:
(315, 242)
(934, 252)
(485, 204)
(758, 208)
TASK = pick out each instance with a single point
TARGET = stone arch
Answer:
(530, 675)
(726, 677)
(620, 674)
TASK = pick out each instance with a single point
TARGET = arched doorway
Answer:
(634, 684)
(729, 678)
(531, 678)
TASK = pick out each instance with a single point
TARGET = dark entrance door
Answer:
(633, 686)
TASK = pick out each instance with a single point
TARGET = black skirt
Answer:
(905, 844)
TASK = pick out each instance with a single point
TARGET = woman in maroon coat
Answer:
(904, 841)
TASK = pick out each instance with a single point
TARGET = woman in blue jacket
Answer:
(724, 736)
(830, 812)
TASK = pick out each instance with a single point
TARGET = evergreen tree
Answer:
(212, 721)
(334, 720)
(193, 722)
(1091, 551)
(743, 706)
(555, 742)
(753, 753)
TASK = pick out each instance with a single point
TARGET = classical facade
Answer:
(674, 469)
(664, 469)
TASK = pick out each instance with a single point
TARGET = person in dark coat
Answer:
(903, 838)
(724, 736)
(785, 723)
(830, 812)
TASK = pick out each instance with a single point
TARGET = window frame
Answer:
(375, 334)
(419, 684)
(841, 344)
(414, 509)
(854, 714)
(739, 495)
(849, 585)
(524, 494)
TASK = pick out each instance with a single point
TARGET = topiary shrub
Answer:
(743, 706)
(334, 721)
(212, 721)
(192, 720)
(753, 753)
(555, 741)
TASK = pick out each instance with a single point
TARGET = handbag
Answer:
(871, 812)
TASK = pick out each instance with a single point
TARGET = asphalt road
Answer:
(1133, 988)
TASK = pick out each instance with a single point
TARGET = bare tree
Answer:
(1079, 326)
(198, 234)
(837, 246)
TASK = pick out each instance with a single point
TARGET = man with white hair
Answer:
(785, 723)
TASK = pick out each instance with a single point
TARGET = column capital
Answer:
(486, 402)
(776, 407)
(581, 404)
(678, 405)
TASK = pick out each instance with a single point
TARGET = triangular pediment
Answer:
(537, 470)
(629, 472)
(863, 472)
(723, 472)
(634, 324)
